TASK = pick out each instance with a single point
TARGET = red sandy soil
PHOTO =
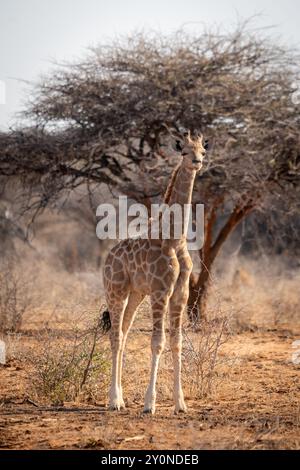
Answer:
(256, 407)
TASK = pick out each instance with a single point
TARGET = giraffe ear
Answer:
(187, 137)
(199, 136)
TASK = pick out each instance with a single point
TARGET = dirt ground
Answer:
(255, 406)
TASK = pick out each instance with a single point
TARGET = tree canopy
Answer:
(105, 119)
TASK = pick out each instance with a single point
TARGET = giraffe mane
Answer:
(171, 184)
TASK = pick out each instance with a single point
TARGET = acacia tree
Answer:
(106, 120)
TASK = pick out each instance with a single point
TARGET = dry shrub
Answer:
(15, 296)
(70, 367)
(201, 356)
(263, 294)
(286, 301)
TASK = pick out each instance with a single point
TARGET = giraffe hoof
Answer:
(149, 411)
(116, 405)
(122, 405)
(181, 409)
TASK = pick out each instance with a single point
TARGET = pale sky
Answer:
(34, 33)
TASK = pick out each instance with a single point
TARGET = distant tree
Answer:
(106, 120)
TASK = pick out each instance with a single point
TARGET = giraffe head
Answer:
(192, 150)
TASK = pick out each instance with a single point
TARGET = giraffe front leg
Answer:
(177, 305)
(134, 299)
(115, 399)
(116, 339)
(159, 309)
(176, 347)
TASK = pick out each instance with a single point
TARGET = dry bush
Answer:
(57, 295)
(286, 301)
(264, 294)
(15, 296)
(70, 367)
(201, 356)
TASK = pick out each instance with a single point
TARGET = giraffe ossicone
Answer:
(159, 268)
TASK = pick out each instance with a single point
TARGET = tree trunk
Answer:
(197, 302)
(199, 283)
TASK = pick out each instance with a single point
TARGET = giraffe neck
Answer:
(181, 193)
(183, 187)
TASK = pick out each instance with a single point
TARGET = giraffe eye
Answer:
(178, 146)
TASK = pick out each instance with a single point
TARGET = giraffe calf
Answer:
(159, 268)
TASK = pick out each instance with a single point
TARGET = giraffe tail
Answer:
(105, 321)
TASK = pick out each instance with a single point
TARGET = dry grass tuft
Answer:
(15, 296)
(69, 366)
(201, 358)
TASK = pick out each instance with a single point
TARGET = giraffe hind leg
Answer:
(159, 310)
(134, 300)
(116, 310)
(176, 309)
